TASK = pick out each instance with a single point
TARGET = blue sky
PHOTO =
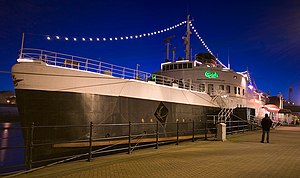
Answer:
(263, 36)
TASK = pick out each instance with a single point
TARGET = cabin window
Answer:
(202, 87)
(235, 90)
(239, 91)
(180, 66)
(175, 66)
(185, 65)
(210, 89)
(168, 67)
(171, 67)
(234, 77)
(243, 92)
(164, 68)
(190, 65)
(221, 87)
(227, 88)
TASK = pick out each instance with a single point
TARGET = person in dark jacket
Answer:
(266, 124)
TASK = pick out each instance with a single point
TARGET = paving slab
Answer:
(242, 155)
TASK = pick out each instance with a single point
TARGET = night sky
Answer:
(261, 35)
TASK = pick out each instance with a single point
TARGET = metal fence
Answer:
(95, 66)
(41, 152)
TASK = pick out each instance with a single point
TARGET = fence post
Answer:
(156, 147)
(177, 128)
(205, 129)
(31, 146)
(129, 138)
(193, 139)
(91, 142)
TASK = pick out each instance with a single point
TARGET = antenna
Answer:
(167, 40)
(22, 46)
(290, 94)
(173, 51)
(229, 61)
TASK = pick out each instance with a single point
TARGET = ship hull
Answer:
(58, 104)
(55, 109)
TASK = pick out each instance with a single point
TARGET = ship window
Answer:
(243, 92)
(168, 67)
(234, 77)
(171, 67)
(175, 66)
(190, 65)
(202, 88)
(235, 90)
(227, 88)
(239, 91)
(221, 87)
(185, 65)
(180, 66)
(210, 89)
(164, 68)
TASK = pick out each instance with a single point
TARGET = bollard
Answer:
(177, 127)
(129, 137)
(156, 147)
(90, 140)
(221, 132)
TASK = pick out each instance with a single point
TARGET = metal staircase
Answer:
(224, 114)
(226, 111)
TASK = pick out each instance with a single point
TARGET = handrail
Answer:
(90, 65)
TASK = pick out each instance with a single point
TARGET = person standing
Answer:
(266, 124)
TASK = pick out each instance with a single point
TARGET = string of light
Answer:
(204, 44)
(128, 37)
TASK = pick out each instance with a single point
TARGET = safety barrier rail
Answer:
(40, 152)
(95, 66)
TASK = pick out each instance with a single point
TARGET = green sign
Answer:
(210, 74)
(153, 77)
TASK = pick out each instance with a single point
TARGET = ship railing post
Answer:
(31, 146)
(205, 129)
(177, 132)
(90, 142)
(86, 64)
(123, 72)
(99, 68)
(193, 139)
(129, 138)
(55, 58)
(41, 56)
(72, 63)
(157, 135)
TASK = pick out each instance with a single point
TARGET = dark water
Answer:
(11, 136)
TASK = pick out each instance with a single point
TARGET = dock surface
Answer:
(242, 155)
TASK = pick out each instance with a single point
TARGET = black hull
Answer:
(47, 108)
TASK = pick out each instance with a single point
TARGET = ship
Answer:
(56, 89)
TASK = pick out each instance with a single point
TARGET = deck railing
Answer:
(95, 66)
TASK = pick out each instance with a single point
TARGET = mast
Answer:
(187, 39)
